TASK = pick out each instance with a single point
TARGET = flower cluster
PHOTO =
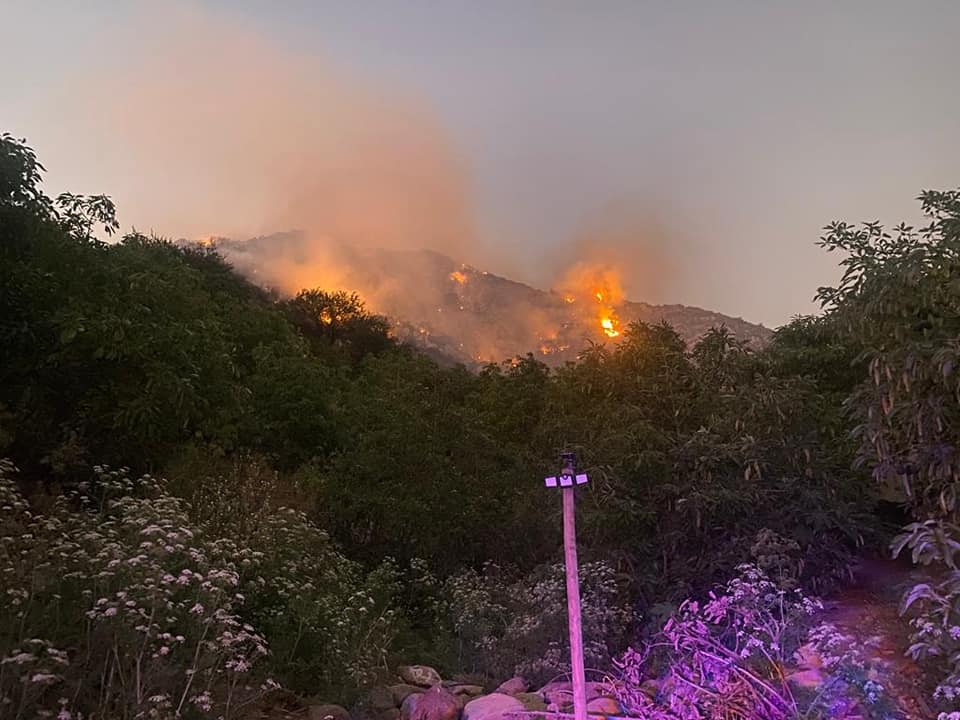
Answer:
(146, 609)
(854, 680)
(934, 607)
(720, 658)
(161, 612)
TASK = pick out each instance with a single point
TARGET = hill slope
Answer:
(465, 314)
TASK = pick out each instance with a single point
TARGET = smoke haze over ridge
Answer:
(219, 132)
(701, 146)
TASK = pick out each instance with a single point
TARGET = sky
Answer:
(701, 146)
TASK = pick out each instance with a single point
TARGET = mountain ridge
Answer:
(459, 313)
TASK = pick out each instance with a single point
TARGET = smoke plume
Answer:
(326, 179)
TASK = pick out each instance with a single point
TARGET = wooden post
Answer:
(573, 599)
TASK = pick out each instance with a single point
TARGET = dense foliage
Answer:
(899, 304)
(410, 481)
(725, 659)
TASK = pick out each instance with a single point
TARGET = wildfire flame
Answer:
(460, 277)
(598, 284)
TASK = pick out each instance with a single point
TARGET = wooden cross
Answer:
(567, 481)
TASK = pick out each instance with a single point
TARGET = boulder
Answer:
(462, 689)
(391, 714)
(327, 712)
(409, 706)
(603, 706)
(380, 698)
(513, 686)
(531, 701)
(437, 703)
(401, 691)
(560, 693)
(421, 675)
(491, 707)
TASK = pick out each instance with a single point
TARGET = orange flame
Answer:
(601, 284)
(608, 324)
(460, 277)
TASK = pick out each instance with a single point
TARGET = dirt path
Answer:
(868, 610)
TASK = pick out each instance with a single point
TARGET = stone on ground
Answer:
(560, 692)
(436, 704)
(421, 675)
(491, 707)
(603, 706)
(531, 701)
(409, 706)
(401, 691)
(513, 686)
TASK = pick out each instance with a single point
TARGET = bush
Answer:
(727, 657)
(506, 625)
(119, 605)
(935, 606)
(721, 658)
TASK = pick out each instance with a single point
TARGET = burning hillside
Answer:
(467, 315)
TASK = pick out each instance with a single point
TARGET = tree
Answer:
(899, 301)
(338, 321)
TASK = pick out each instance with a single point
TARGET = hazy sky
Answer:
(715, 138)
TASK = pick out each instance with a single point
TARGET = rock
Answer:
(560, 693)
(513, 686)
(327, 712)
(603, 706)
(531, 701)
(391, 714)
(437, 703)
(409, 706)
(491, 707)
(468, 690)
(422, 675)
(380, 698)
(401, 691)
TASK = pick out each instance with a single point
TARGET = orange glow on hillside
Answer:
(599, 285)
(608, 324)
(458, 276)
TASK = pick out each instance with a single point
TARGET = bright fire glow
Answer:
(608, 324)
(458, 276)
(597, 283)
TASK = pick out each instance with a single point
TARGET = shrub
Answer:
(506, 625)
(935, 605)
(854, 681)
(723, 658)
(121, 609)
(119, 605)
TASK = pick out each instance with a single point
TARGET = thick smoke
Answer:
(216, 132)
(322, 179)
